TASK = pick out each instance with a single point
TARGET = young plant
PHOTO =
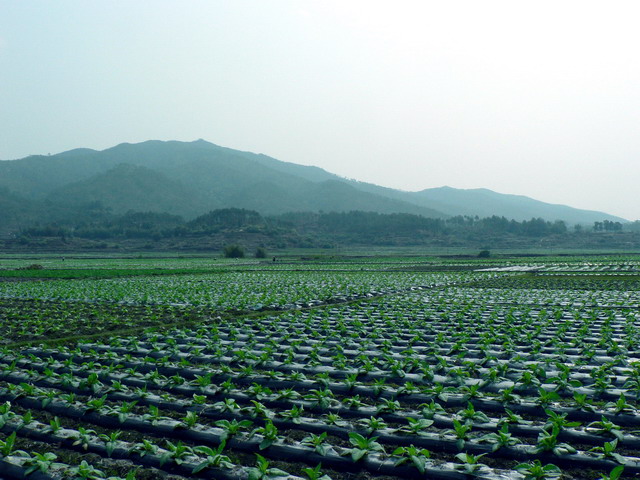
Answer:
(124, 410)
(513, 418)
(321, 398)
(461, 432)
(373, 424)
(315, 473)
(608, 451)
(84, 437)
(353, 402)
(287, 394)
(615, 474)
(582, 402)
(258, 410)
(41, 462)
(362, 446)
(605, 427)
(110, 441)
(269, 434)
(417, 456)
(548, 442)
(146, 447)
(214, 458)
(387, 406)
(96, 403)
(470, 415)
(294, 414)
(417, 426)
(5, 414)
(501, 438)
(154, 415)
(559, 420)
(86, 471)
(335, 419)
(7, 446)
(470, 463)
(263, 472)
(54, 425)
(227, 405)
(176, 452)
(621, 405)
(232, 427)
(318, 442)
(189, 420)
(545, 398)
(536, 471)
(430, 410)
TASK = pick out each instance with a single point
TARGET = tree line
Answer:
(355, 226)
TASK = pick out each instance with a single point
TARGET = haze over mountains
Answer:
(192, 178)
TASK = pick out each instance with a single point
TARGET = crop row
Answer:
(232, 290)
(446, 381)
(541, 281)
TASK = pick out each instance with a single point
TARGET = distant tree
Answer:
(233, 251)
(484, 254)
(610, 226)
(261, 252)
(633, 226)
(536, 227)
(558, 227)
(227, 218)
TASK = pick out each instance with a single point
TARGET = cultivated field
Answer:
(368, 368)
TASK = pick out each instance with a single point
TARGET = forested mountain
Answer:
(128, 187)
(192, 178)
(482, 202)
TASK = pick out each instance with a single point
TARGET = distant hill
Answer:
(128, 187)
(192, 178)
(15, 211)
(484, 203)
(189, 178)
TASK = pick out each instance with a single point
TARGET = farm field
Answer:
(372, 368)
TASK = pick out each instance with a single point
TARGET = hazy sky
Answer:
(540, 98)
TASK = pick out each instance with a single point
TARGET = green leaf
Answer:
(357, 454)
(616, 472)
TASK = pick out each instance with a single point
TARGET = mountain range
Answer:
(192, 178)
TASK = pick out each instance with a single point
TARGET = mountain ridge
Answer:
(190, 178)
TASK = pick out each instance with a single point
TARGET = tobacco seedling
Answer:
(269, 434)
(501, 438)
(548, 441)
(615, 474)
(362, 446)
(110, 441)
(214, 458)
(315, 473)
(263, 472)
(86, 471)
(417, 426)
(176, 452)
(608, 451)
(536, 471)
(470, 463)
(417, 456)
(605, 426)
(318, 442)
(232, 427)
(461, 432)
(7, 447)
(83, 437)
(41, 462)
